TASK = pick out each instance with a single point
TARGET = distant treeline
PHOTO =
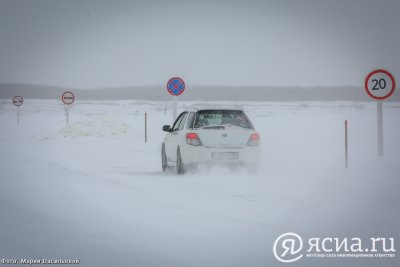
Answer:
(195, 93)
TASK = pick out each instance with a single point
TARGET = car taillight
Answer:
(254, 140)
(193, 139)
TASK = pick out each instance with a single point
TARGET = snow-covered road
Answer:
(95, 190)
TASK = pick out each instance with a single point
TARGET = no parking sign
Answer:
(176, 86)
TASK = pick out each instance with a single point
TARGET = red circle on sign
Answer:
(18, 100)
(390, 77)
(73, 98)
(171, 81)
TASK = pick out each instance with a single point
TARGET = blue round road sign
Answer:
(175, 86)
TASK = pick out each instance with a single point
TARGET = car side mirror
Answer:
(166, 128)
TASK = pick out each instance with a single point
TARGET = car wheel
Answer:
(164, 163)
(179, 164)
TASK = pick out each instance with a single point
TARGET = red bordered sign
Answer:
(380, 84)
(18, 100)
(68, 98)
(176, 86)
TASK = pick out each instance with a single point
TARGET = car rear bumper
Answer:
(199, 154)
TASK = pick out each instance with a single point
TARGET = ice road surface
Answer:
(95, 190)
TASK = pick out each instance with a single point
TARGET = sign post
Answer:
(175, 86)
(145, 127)
(380, 85)
(18, 101)
(379, 109)
(346, 146)
(67, 98)
(175, 108)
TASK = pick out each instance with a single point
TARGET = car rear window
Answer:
(206, 118)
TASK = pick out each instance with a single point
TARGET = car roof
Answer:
(196, 108)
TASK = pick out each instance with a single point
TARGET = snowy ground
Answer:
(95, 190)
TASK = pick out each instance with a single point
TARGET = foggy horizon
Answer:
(187, 86)
(102, 44)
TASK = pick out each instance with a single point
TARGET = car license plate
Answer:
(224, 155)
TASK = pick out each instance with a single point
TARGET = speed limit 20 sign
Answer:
(380, 84)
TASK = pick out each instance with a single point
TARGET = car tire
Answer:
(164, 162)
(180, 169)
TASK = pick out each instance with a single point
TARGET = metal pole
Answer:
(380, 127)
(67, 115)
(145, 127)
(175, 107)
(18, 114)
(346, 144)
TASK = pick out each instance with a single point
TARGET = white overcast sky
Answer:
(87, 44)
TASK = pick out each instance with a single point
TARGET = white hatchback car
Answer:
(210, 136)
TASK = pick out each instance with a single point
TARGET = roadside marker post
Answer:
(67, 98)
(380, 85)
(175, 86)
(18, 101)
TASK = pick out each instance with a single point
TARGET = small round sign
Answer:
(18, 100)
(380, 84)
(176, 86)
(68, 98)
